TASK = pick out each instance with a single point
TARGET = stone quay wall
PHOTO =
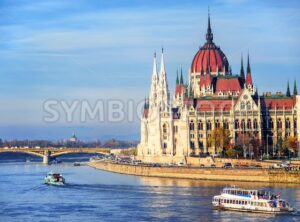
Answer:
(218, 174)
(207, 161)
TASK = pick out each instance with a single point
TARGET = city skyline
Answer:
(103, 50)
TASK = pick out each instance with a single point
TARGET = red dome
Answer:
(210, 55)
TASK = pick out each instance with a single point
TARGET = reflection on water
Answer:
(93, 195)
(156, 181)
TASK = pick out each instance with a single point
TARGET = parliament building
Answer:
(181, 125)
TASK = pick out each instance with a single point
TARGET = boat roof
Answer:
(51, 173)
(242, 189)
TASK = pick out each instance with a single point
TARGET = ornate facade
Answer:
(212, 98)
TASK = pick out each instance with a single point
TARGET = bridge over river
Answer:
(47, 153)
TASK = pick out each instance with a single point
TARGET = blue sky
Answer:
(66, 49)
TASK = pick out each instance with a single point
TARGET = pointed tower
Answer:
(249, 82)
(154, 86)
(181, 77)
(209, 34)
(288, 91)
(295, 88)
(163, 90)
(242, 73)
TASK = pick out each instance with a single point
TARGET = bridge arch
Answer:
(74, 152)
(23, 152)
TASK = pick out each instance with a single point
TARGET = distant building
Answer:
(73, 138)
(212, 98)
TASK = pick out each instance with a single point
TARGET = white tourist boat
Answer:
(260, 201)
(54, 179)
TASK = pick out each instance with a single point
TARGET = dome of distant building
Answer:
(73, 138)
(209, 58)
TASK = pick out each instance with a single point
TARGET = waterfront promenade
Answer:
(217, 174)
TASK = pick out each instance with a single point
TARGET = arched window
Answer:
(217, 124)
(287, 123)
(279, 124)
(165, 130)
(255, 124)
(165, 145)
(243, 106)
(243, 125)
(192, 125)
(249, 124)
(226, 124)
(271, 125)
(208, 125)
(192, 145)
(249, 107)
(200, 125)
(236, 124)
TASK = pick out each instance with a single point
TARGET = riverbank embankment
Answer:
(217, 174)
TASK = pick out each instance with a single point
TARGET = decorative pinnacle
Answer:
(181, 77)
(242, 73)
(248, 64)
(209, 35)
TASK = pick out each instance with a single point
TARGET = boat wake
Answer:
(296, 213)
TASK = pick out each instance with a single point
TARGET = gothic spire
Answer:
(154, 84)
(242, 73)
(154, 70)
(209, 34)
(288, 91)
(249, 76)
(248, 65)
(177, 78)
(181, 77)
(163, 90)
(295, 88)
(162, 62)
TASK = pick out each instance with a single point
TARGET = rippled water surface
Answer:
(93, 195)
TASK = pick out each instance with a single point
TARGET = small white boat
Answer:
(256, 201)
(54, 179)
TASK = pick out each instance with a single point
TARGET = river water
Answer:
(94, 195)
